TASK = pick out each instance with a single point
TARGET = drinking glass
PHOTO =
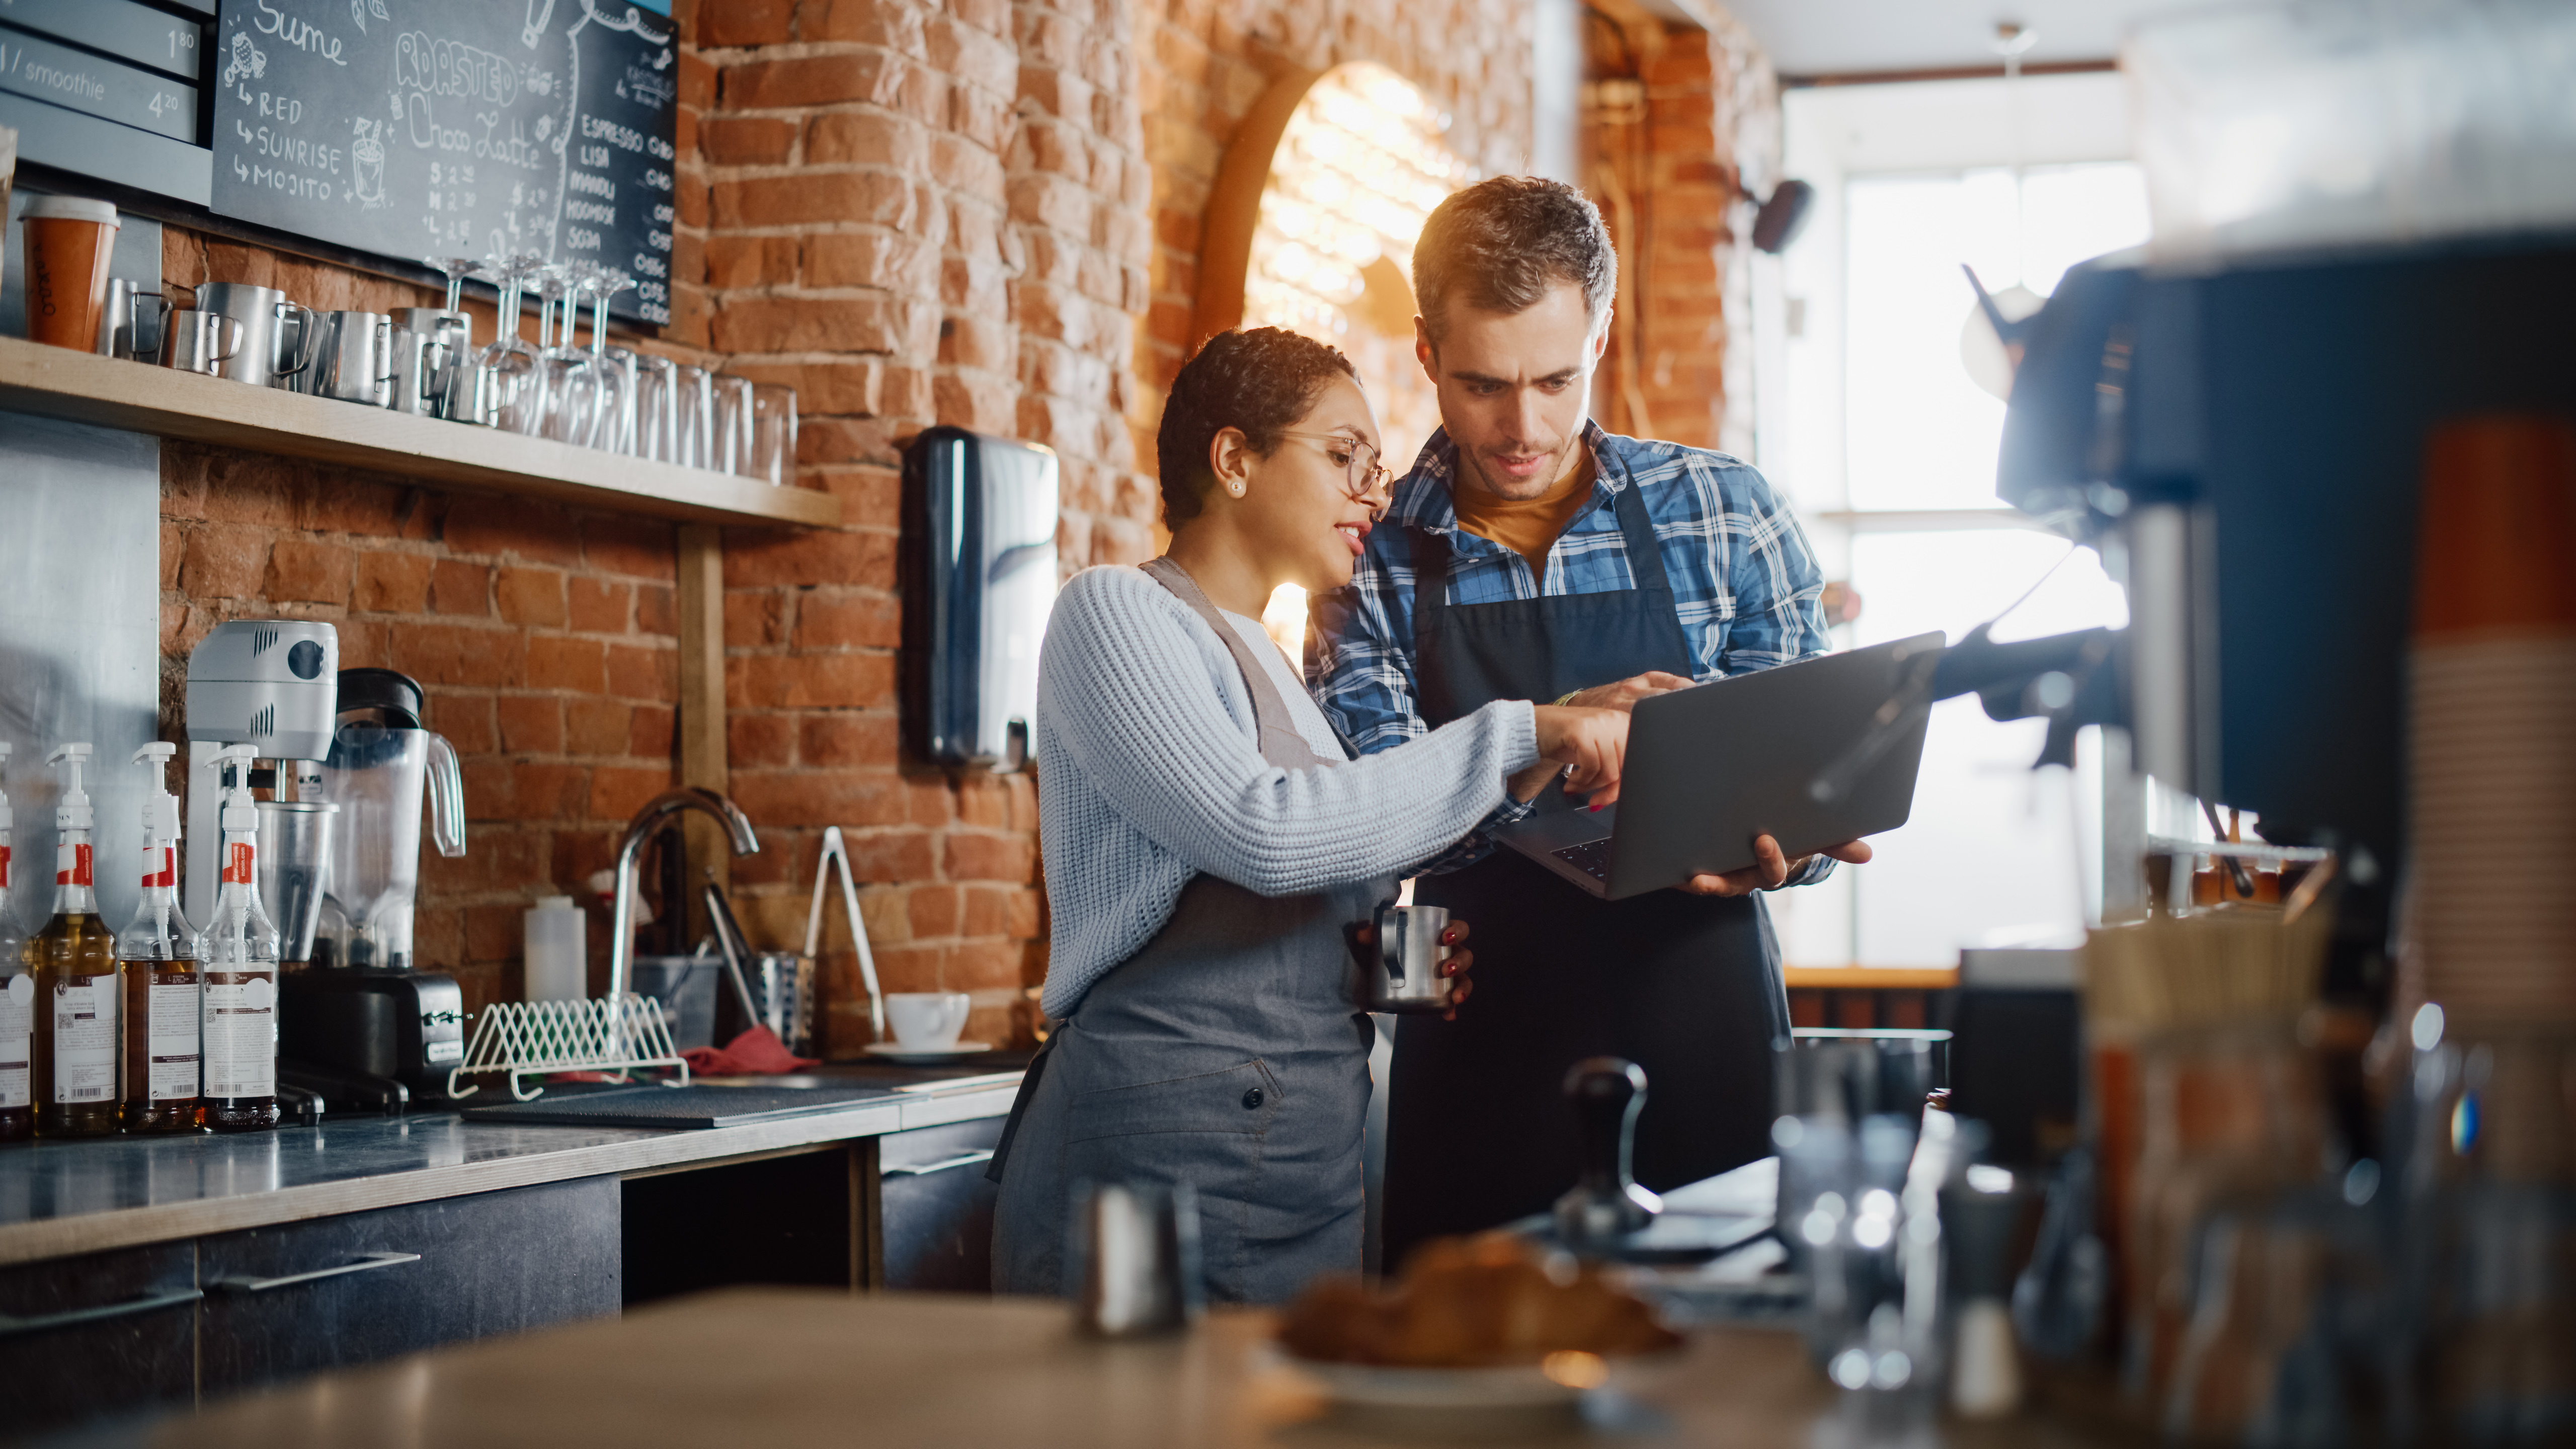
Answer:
(571, 378)
(729, 446)
(657, 409)
(696, 403)
(615, 366)
(453, 330)
(508, 391)
(456, 270)
(773, 433)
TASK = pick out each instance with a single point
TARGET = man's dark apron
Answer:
(1229, 1053)
(1686, 986)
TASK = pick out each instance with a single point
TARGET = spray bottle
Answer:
(158, 951)
(239, 961)
(17, 997)
(77, 983)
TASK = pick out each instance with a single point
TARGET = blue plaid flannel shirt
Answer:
(1745, 583)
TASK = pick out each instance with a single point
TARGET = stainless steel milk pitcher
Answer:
(1401, 971)
(277, 334)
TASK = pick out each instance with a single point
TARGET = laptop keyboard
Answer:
(1592, 858)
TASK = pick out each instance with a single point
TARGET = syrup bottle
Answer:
(77, 993)
(239, 962)
(17, 1002)
(164, 1017)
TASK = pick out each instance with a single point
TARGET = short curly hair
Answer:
(1501, 243)
(1261, 382)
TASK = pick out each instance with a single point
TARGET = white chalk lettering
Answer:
(625, 138)
(301, 34)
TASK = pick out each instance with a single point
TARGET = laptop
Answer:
(1813, 754)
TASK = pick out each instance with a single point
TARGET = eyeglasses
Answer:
(1364, 474)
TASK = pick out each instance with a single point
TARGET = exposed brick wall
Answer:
(1210, 60)
(1679, 121)
(914, 214)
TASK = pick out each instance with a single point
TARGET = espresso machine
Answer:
(269, 684)
(362, 1024)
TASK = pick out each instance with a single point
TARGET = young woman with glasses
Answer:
(1213, 848)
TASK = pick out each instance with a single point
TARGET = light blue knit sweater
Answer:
(1148, 774)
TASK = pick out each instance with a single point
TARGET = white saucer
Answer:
(896, 1052)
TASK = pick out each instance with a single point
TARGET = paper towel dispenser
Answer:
(979, 577)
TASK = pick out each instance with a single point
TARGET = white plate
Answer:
(1376, 1387)
(894, 1052)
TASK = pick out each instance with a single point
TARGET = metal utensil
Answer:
(129, 326)
(278, 335)
(352, 358)
(451, 333)
(1606, 1203)
(418, 363)
(729, 940)
(1136, 1252)
(836, 853)
(1405, 974)
(194, 341)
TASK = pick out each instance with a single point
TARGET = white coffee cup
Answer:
(926, 1021)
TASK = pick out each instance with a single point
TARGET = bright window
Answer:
(1920, 433)
(1995, 850)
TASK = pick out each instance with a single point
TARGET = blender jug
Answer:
(381, 760)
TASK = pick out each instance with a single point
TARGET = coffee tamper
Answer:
(1606, 1203)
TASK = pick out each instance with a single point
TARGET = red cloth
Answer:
(756, 1053)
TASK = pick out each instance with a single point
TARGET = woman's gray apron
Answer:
(1229, 1053)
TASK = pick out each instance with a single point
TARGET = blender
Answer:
(362, 1026)
(381, 765)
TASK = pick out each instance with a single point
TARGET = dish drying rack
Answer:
(519, 1039)
(627, 1031)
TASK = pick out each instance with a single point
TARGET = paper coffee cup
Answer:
(69, 242)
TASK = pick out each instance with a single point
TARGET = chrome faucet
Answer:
(621, 939)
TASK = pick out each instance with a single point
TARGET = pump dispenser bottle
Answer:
(158, 952)
(76, 978)
(17, 997)
(239, 961)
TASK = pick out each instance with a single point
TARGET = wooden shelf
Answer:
(80, 387)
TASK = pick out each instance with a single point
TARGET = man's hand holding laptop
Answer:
(1770, 868)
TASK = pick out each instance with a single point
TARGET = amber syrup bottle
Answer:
(17, 1002)
(164, 1019)
(239, 963)
(77, 993)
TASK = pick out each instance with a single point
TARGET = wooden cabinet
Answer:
(935, 1207)
(302, 1297)
(97, 1333)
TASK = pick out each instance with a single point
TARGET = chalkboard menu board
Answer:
(422, 128)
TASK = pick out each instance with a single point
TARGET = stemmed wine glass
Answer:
(571, 374)
(454, 333)
(456, 270)
(616, 368)
(508, 381)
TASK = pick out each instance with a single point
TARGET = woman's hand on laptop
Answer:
(1587, 745)
(1619, 694)
(1770, 868)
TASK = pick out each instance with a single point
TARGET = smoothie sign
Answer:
(470, 128)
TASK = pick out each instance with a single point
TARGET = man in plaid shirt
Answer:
(1531, 555)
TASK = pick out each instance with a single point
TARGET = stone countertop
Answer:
(62, 1198)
